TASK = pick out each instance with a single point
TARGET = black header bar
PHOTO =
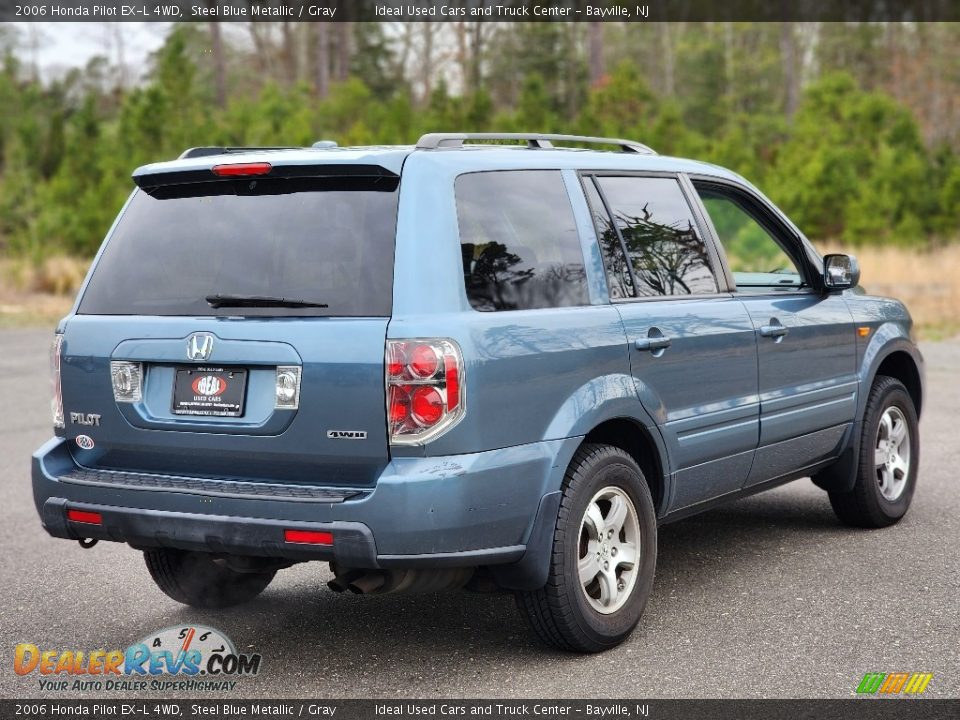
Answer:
(477, 10)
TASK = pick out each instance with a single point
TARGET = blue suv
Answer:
(492, 361)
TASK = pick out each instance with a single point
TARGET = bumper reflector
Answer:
(308, 537)
(84, 516)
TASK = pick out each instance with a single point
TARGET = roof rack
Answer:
(535, 141)
(196, 152)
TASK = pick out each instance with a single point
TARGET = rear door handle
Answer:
(774, 329)
(652, 343)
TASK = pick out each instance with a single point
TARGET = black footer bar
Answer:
(219, 709)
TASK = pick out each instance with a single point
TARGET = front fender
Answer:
(887, 339)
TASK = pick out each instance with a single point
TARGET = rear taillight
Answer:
(424, 389)
(56, 402)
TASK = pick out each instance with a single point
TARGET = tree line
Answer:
(853, 129)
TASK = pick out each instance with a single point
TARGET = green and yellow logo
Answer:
(894, 683)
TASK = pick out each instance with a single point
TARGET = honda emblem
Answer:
(199, 346)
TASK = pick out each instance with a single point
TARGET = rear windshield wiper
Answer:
(262, 301)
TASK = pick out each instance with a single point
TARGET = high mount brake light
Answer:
(425, 390)
(241, 169)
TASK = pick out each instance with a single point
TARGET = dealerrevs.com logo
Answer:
(191, 658)
(877, 683)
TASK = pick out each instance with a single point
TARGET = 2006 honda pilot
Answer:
(462, 364)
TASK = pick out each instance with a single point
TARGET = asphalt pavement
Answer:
(767, 597)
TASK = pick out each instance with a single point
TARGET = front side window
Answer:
(649, 219)
(519, 241)
(757, 259)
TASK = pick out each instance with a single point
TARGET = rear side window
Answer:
(321, 240)
(519, 241)
(649, 219)
(619, 276)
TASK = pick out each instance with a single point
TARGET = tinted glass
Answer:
(321, 244)
(519, 241)
(666, 253)
(756, 258)
(619, 282)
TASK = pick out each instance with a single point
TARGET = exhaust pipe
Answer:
(87, 543)
(367, 584)
(342, 578)
(382, 582)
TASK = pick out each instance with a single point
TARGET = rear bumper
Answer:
(456, 511)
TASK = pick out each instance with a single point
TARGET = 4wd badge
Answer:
(347, 434)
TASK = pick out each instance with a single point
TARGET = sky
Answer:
(56, 47)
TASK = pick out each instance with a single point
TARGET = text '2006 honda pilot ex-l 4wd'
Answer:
(462, 364)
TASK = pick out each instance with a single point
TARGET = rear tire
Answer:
(889, 459)
(604, 555)
(198, 580)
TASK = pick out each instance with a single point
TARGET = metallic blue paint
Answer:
(725, 410)
(701, 390)
(419, 506)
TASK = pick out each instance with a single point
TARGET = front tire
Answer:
(889, 459)
(197, 579)
(604, 555)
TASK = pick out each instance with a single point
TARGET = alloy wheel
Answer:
(892, 454)
(609, 550)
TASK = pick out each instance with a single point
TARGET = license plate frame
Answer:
(225, 388)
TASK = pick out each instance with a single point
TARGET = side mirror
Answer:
(840, 271)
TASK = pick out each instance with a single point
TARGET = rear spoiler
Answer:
(207, 150)
(280, 178)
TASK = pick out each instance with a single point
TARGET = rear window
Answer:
(519, 241)
(324, 241)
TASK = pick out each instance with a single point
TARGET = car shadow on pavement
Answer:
(694, 555)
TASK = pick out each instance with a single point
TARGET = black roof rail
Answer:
(196, 152)
(535, 141)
